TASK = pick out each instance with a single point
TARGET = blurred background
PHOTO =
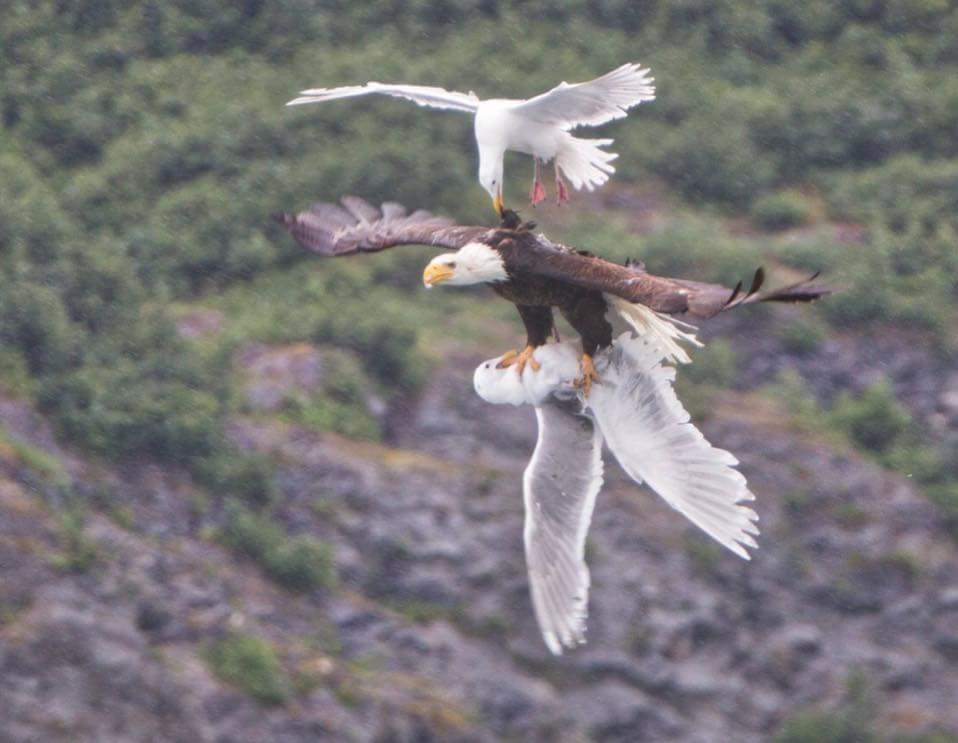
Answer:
(249, 495)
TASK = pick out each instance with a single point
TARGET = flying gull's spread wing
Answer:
(592, 103)
(422, 95)
(559, 489)
(359, 227)
(648, 431)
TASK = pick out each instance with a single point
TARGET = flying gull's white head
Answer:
(473, 263)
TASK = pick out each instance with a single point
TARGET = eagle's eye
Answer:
(451, 264)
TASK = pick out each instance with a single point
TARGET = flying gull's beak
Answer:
(436, 273)
(498, 204)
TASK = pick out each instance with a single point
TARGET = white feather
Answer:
(663, 332)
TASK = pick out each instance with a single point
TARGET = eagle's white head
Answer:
(473, 263)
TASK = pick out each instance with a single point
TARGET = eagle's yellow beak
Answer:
(498, 204)
(436, 273)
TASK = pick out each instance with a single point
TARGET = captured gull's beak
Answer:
(436, 273)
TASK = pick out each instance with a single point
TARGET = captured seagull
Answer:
(635, 413)
(537, 126)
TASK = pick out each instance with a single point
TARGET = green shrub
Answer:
(782, 210)
(801, 335)
(875, 420)
(299, 563)
(851, 722)
(715, 364)
(251, 665)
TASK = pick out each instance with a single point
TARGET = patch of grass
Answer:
(300, 563)
(874, 420)
(716, 364)
(78, 553)
(34, 458)
(250, 664)
(851, 722)
(782, 210)
(802, 336)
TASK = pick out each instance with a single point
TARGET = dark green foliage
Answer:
(782, 210)
(300, 563)
(250, 664)
(875, 420)
(801, 335)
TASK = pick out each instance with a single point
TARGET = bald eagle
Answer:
(598, 298)
(625, 318)
(538, 126)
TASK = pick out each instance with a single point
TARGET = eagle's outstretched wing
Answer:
(359, 227)
(670, 296)
(559, 488)
(591, 103)
(422, 95)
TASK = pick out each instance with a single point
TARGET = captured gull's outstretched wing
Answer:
(649, 432)
(559, 489)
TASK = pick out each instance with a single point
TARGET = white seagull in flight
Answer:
(538, 126)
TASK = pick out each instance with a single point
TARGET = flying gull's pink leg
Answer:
(538, 192)
(562, 190)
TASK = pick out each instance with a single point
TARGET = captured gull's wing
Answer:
(559, 489)
(648, 431)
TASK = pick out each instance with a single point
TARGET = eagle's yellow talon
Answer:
(519, 360)
(508, 359)
(589, 375)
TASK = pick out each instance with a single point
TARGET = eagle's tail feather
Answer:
(664, 332)
(584, 163)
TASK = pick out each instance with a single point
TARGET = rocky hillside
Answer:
(246, 495)
(158, 613)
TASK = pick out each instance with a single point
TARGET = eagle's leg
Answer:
(588, 376)
(586, 313)
(562, 190)
(538, 192)
(539, 324)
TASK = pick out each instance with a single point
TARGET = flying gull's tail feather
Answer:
(584, 163)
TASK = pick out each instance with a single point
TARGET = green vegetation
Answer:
(78, 553)
(250, 664)
(782, 210)
(144, 146)
(852, 721)
(300, 563)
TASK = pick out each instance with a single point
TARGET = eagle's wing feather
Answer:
(359, 227)
(422, 95)
(559, 489)
(670, 296)
(591, 103)
(649, 432)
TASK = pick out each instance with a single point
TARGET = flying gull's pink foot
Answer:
(562, 191)
(538, 192)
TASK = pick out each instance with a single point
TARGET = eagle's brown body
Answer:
(542, 275)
